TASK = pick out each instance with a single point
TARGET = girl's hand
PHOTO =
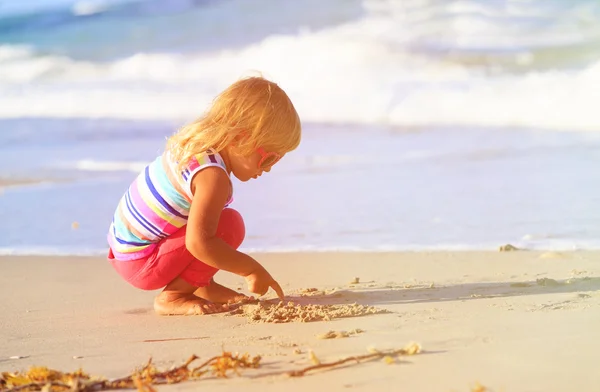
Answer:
(259, 282)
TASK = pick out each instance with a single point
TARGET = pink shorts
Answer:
(171, 258)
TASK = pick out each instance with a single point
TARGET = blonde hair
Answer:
(255, 109)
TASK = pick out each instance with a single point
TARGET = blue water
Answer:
(427, 124)
(122, 28)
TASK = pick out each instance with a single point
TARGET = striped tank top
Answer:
(156, 205)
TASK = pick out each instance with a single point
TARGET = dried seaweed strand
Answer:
(144, 378)
(39, 386)
(357, 359)
(205, 364)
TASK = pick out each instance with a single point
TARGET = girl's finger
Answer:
(278, 290)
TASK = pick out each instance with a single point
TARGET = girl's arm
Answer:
(211, 188)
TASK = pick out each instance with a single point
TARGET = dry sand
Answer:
(516, 321)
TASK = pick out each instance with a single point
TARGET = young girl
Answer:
(172, 228)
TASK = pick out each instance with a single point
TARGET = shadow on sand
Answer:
(461, 292)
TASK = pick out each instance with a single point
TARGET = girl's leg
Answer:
(163, 268)
(231, 230)
(217, 293)
(189, 291)
(178, 298)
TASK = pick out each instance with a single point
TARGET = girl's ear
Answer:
(241, 138)
(235, 145)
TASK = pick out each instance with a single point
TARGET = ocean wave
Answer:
(371, 71)
(361, 94)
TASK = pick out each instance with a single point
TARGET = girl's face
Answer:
(253, 166)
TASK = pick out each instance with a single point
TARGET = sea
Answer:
(427, 124)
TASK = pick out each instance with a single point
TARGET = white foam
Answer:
(15, 52)
(89, 7)
(554, 245)
(108, 166)
(557, 246)
(353, 73)
(51, 251)
(370, 249)
(20, 65)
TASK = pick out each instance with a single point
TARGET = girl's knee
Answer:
(231, 227)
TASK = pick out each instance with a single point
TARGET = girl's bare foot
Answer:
(217, 293)
(171, 303)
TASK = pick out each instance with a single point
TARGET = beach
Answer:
(432, 134)
(511, 321)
